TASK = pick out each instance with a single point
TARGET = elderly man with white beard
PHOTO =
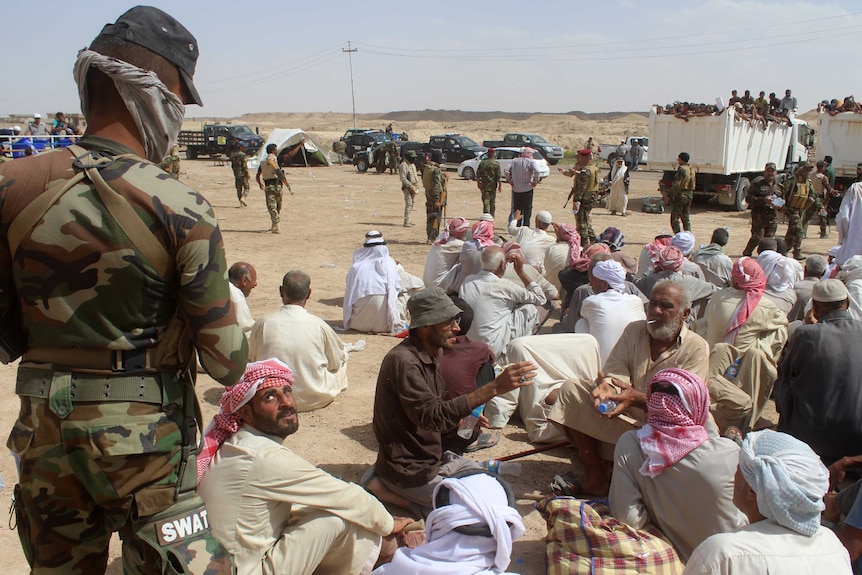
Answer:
(644, 349)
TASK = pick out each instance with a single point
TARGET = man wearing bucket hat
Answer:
(410, 414)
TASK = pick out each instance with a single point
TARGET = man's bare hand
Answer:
(517, 215)
(623, 394)
(400, 524)
(516, 375)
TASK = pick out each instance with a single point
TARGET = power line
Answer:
(350, 52)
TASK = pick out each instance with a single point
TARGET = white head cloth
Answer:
(851, 269)
(476, 499)
(612, 272)
(684, 242)
(788, 478)
(780, 273)
(157, 112)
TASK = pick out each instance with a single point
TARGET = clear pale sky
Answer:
(552, 56)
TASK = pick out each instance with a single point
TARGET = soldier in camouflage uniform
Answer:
(272, 184)
(111, 328)
(680, 195)
(799, 195)
(488, 181)
(584, 193)
(241, 177)
(764, 219)
(434, 182)
(392, 157)
(171, 163)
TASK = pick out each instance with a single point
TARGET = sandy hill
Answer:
(569, 130)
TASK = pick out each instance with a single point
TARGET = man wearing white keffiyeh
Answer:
(779, 485)
(470, 533)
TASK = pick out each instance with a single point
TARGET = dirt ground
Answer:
(322, 224)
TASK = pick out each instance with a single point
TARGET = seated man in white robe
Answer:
(305, 341)
(684, 242)
(676, 458)
(780, 278)
(273, 511)
(470, 531)
(606, 314)
(375, 299)
(502, 310)
(562, 254)
(441, 266)
(243, 279)
(535, 242)
(779, 485)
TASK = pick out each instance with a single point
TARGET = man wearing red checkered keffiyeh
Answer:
(258, 375)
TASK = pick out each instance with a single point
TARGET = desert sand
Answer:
(325, 221)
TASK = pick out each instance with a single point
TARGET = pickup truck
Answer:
(218, 139)
(364, 142)
(726, 152)
(551, 152)
(609, 151)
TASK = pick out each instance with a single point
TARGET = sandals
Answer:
(484, 441)
(566, 485)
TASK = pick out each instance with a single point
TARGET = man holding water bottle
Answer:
(645, 348)
(410, 414)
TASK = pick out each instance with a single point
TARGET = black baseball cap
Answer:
(160, 33)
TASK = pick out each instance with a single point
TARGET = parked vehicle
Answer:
(218, 139)
(467, 168)
(551, 152)
(841, 137)
(609, 151)
(726, 152)
(456, 148)
(364, 142)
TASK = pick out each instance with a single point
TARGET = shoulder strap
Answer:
(122, 212)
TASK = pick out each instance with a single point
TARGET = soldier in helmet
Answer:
(584, 193)
(800, 196)
(681, 194)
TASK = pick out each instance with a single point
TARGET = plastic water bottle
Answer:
(512, 468)
(733, 369)
(607, 406)
(465, 430)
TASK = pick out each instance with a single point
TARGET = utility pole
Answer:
(350, 52)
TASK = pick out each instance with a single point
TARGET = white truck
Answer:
(840, 136)
(609, 151)
(726, 151)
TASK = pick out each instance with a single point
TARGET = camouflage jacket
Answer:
(488, 173)
(683, 181)
(586, 183)
(239, 164)
(80, 282)
(761, 192)
(434, 191)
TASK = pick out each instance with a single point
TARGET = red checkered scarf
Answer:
(258, 375)
(655, 247)
(747, 275)
(512, 247)
(669, 259)
(675, 424)
(457, 227)
(582, 263)
(568, 234)
(483, 232)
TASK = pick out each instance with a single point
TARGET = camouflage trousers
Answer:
(584, 222)
(273, 201)
(680, 209)
(409, 195)
(433, 217)
(764, 224)
(89, 472)
(242, 187)
(793, 237)
(489, 200)
(806, 219)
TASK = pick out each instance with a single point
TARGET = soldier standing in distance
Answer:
(106, 367)
(488, 181)
(680, 195)
(409, 184)
(764, 219)
(800, 196)
(434, 182)
(241, 177)
(272, 185)
(584, 193)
